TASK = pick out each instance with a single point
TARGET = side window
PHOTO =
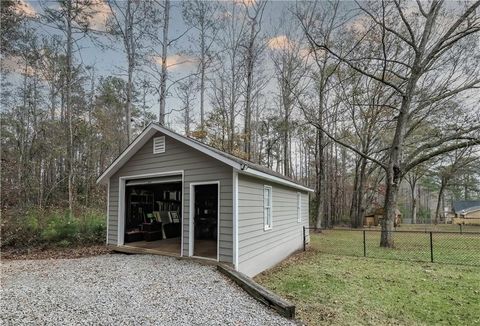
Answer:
(267, 207)
(299, 207)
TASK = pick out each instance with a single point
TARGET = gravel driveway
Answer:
(123, 289)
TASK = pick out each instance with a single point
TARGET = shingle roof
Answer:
(465, 205)
(237, 159)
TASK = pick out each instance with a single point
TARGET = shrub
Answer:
(64, 243)
(92, 227)
(52, 227)
(61, 228)
(20, 228)
(423, 215)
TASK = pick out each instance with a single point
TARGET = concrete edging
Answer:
(259, 293)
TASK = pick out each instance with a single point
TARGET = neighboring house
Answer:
(466, 212)
(178, 196)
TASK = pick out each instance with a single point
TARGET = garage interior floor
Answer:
(170, 246)
(203, 248)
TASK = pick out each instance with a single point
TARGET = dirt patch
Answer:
(53, 253)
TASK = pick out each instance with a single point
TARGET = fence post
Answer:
(304, 240)
(431, 246)
(461, 231)
(364, 245)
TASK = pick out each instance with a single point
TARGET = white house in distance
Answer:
(175, 195)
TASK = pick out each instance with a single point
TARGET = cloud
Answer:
(16, 64)
(100, 12)
(307, 52)
(280, 42)
(247, 3)
(26, 9)
(177, 61)
(359, 25)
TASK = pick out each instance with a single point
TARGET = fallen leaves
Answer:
(53, 253)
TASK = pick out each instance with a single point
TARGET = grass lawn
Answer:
(453, 248)
(342, 290)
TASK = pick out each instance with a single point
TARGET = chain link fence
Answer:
(452, 247)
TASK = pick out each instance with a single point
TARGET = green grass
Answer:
(340, 290)
(453, 248)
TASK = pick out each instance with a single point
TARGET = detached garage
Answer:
(177, 196)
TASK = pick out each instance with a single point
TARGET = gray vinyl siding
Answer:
(260, 249)
(198, 167)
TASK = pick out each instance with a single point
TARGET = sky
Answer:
(111, 60)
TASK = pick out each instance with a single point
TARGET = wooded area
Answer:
(373, 104)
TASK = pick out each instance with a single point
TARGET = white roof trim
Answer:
(266, 176)
(153, 128)
(469, 210)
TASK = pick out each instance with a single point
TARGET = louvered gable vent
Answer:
(159, 145)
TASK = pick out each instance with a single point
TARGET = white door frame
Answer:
(191, 225)
(121, 202)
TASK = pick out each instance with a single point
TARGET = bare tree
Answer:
(253, 50)
(203, 17)
(229, 70)
(322, 72)
(451, 165)
(127, 21)
(186, 94)
(412, 177)
(421, 67)
(164, 73)
(70, 17)
(288, 56)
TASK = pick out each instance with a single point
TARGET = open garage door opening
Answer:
(153, 214)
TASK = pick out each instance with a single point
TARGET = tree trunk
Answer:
(353, 206)
(202, 82)
(320, 170)
(359, 209)
(286, 143)
(164, 72)
(69, 108)
(131, 64)
(248, 92)
(439, 200)
(413, 187)
(414, 210)
(391, 197)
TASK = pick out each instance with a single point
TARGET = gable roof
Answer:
(465, 206)
(241, 165)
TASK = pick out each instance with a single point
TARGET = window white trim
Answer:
(267, 209)
(159, 145)
(299, 207)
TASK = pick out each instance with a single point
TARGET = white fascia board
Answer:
(142, 140)
(471, 210)
(272, 178)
